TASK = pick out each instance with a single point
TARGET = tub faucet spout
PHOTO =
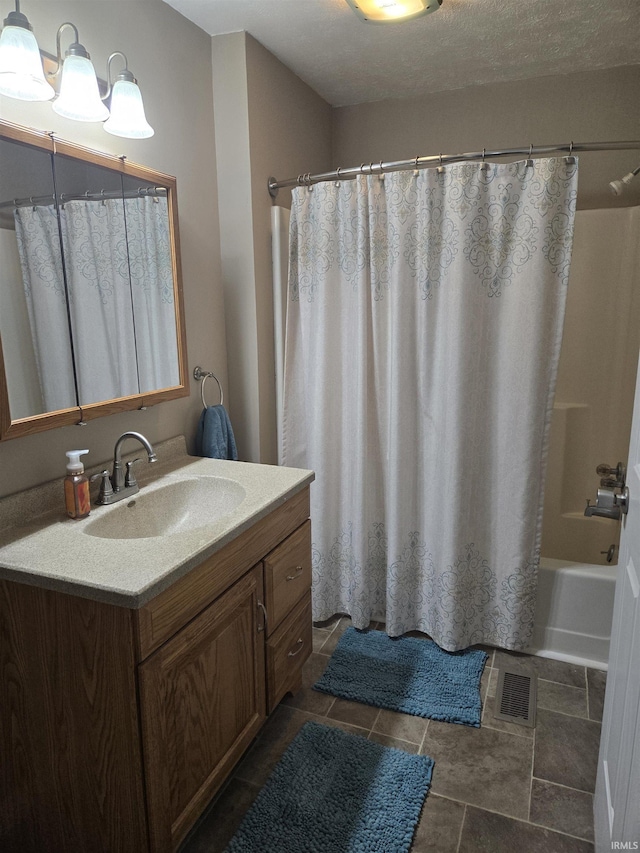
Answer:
(609, 504)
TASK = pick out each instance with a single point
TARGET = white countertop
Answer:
(56, 553)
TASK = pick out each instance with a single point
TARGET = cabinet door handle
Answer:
(297, 574)
(300, 644)
(263, 627)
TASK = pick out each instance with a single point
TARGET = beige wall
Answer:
(172, 60)
(589, 107)
(289, 131)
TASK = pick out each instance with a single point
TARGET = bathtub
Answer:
(574, 612)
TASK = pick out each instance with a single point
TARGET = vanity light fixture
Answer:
(21, 72)
(79, 96)
(388, 11)
(127, 110)
(76, 90)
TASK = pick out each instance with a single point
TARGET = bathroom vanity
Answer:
(136, 670)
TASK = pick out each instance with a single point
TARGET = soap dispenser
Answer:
(76, 486)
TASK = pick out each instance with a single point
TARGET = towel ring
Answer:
(200, 374)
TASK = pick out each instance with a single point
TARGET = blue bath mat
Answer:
(333, 792)
(406, 674)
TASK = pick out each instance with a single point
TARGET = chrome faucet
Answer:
(613, 495)
(119, 484)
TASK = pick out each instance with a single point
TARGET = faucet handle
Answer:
(130, 478)
(617, 474)
(105, 486)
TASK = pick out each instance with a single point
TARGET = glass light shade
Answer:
(21, 73)
(79, 97)
(127, 112)
(385, 11)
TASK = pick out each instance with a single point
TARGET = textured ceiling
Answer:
(466, 42)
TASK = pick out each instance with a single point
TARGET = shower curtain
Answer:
(117, 262)
(423, 332)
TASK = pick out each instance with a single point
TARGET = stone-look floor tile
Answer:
(275, 737)
(550, 670)
(562, 808)
(219, 823)
(346, 727)
(489, 650)
(483, 767)
(396, 743)
(343, 623)
(489, 705)
(320, 637)
(354, 713)
(330, 623)
(310, 700)
(566, 750)
(484, 684)
(562, 698)
(485, 832)
(596, 683)
(402, 726)
(439, 828)
(313, 668)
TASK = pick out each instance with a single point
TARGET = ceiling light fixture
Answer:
(388, 11)
(76, 89)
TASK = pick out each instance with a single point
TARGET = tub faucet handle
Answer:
(617, 475)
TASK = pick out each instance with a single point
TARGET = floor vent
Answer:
(516, 697)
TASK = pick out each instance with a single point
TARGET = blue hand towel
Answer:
(215, 435)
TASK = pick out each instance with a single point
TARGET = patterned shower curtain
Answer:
(424, 326)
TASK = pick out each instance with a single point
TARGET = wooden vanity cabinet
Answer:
(287, 578)
(202, 701)
(118, 726)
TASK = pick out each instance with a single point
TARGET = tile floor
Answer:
(499, 788)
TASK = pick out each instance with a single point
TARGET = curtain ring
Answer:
(299, 180)
(381, 176)
(337, 181)
(102, 194)
(483, 165)
(362, 168)
(33, 209)
(440, 169)
(415, 167)
(529, 163)
(571, 159)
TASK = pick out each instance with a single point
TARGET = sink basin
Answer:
(175, 507)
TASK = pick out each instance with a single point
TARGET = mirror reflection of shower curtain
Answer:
(116, 352)
(38, 242)
(424, 326)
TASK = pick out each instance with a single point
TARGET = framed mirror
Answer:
(91, 306)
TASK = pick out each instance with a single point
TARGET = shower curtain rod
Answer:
(441, 159)
(96, 196)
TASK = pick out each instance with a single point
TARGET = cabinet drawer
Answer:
(287, 575)
(287, 650)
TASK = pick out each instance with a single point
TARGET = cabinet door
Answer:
(202, 702)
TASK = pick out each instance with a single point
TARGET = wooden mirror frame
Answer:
(67, 417)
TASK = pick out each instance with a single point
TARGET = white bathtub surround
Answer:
(594, 381)
(574, 611)
(423, 333)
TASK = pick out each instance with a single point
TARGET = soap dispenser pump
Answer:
(76, 486)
